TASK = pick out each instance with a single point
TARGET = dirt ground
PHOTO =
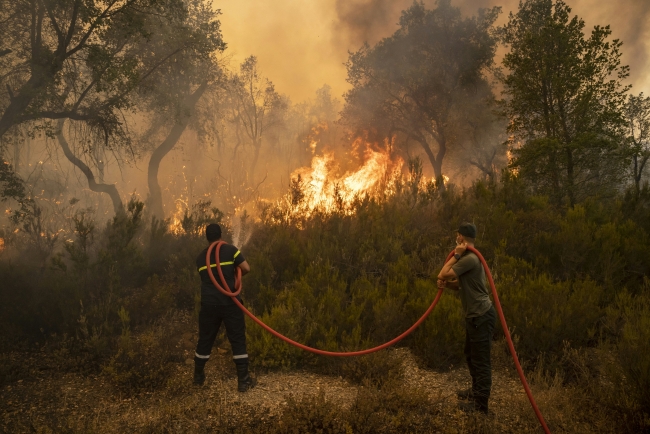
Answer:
(50, 402)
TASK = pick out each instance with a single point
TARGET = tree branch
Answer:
(95, 186)
(73, 22)
(57, 29)
(94, 25)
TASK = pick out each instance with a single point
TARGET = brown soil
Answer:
(53, 402)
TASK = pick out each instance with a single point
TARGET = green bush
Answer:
(630, 318)
(440, 341)
(542, 314)
(143, 362)
(340, 281)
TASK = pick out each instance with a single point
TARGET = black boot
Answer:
(465, 394)
(244, 380)
(481, 403)
(199, 372)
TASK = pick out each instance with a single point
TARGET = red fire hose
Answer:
(511, 347)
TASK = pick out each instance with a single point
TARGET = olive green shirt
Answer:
(472, 288)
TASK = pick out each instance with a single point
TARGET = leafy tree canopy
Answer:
(564, 95)
(417, 81)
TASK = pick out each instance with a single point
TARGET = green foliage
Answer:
(637, 119)
(565, 100)
(418, 84)
(543, 314)
(440, 340)
(345, 281)
(142, 363)
(629, 321)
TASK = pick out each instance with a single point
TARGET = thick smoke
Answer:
(369, 21)
(303, 45)
(362, 21)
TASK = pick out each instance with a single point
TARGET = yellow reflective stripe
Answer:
(238, 252)
(214, 265)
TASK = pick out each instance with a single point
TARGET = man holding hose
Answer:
(464, 273)
(217, 308)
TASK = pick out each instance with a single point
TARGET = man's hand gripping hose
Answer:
(238, 286)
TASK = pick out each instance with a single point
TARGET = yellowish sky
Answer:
(302, 44)
(292, 40)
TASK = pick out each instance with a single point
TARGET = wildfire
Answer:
(511, 157)
(175, 225)
(324, 190)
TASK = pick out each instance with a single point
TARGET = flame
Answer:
(326, 191)
(511, 157)
(2, 244)
(175, 225)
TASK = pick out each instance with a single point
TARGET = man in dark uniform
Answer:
(217, 308)
(464, 273)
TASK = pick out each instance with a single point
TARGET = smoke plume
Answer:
(303, 45)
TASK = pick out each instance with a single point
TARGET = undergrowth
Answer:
(573, 284)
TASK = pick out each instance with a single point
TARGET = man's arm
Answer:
(449, 284)
(447, 273)
(245, 268)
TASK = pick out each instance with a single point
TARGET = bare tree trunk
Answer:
(109, 189)
(256, 155)
(570, 177)
(436, 162)
(638, 172)
(155, 193)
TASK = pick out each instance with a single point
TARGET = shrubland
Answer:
(573, 284)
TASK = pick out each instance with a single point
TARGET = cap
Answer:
(467, 230)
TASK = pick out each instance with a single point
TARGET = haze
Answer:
(302, 45)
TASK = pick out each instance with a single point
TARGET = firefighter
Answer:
(464, 273)
(217, 308)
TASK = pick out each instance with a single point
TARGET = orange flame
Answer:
(326, 191)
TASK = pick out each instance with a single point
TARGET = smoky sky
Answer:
(302, 45)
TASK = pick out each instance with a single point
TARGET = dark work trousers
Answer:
(478, 342)
(210, 319)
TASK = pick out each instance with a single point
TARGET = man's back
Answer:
(229, 258)
(473, 291)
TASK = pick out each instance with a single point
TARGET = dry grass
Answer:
(422, 401)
